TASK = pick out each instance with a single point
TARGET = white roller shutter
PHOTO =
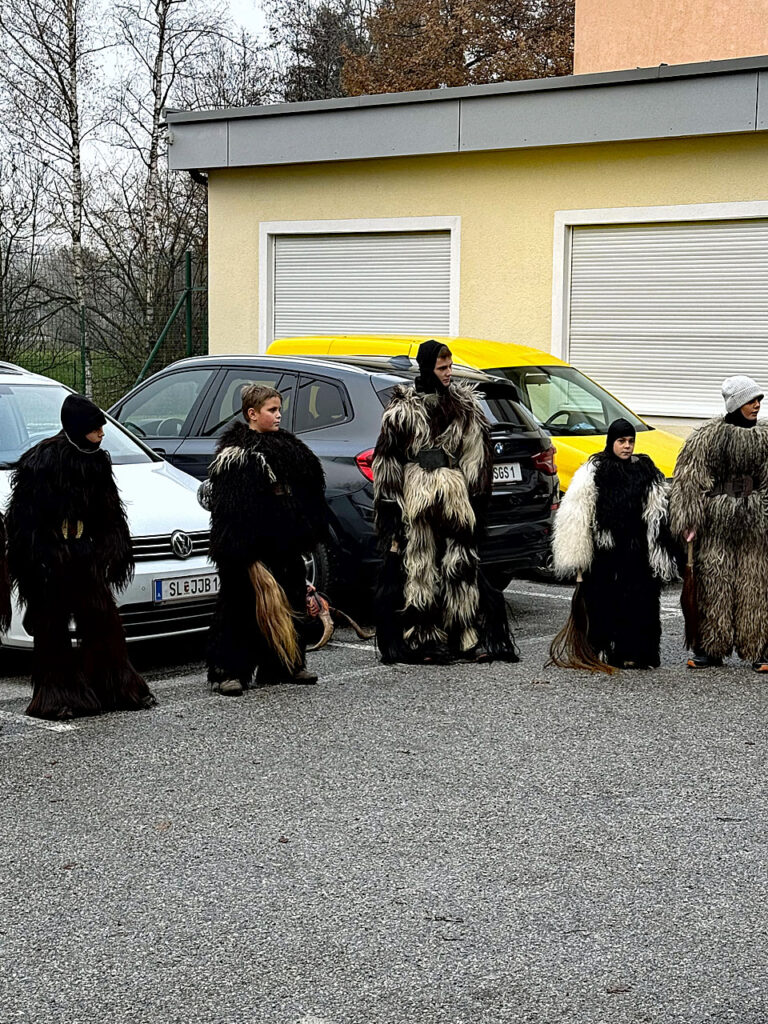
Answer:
(660, 314)
(382, 282)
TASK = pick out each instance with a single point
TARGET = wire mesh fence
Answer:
(118, 351)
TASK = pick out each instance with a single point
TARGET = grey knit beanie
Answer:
(738, 391)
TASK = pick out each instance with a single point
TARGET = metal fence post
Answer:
(188, 298)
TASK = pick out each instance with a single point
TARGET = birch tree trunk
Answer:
(48, 48)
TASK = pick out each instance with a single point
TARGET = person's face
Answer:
(266, 418)
(751, 409)
(95, 436)
(444, 370)
(623, 447)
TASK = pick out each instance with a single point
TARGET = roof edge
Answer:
(662, 72)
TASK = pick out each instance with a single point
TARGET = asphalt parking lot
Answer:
(397, 844)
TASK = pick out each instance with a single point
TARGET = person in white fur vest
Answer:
(611, 532)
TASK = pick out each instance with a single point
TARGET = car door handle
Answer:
(159, 451)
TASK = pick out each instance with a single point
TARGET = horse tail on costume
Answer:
(274, 616)
(571, 648)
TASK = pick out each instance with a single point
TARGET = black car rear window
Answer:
(498, 400)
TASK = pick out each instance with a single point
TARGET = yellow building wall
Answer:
(506, 201)
(628, 34)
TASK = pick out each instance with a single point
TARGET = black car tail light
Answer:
(545, 461)
(364, 463)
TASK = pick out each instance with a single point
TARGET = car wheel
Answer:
(323, 568)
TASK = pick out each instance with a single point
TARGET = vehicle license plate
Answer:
(186, 588)
(507, 473)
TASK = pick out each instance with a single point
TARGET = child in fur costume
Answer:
(719, 502)
(68, 542)
(432, 481)
(611, 529)
(266, 495)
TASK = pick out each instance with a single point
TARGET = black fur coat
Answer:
(266, 494)
(64, 505)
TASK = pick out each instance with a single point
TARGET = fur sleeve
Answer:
(476, 459)
(398, 426)
(572, 543)
(660, 547)
(692, 480)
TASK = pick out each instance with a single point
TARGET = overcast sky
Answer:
(249, 14)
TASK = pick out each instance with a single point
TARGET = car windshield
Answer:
(30, 412)
(565, 402)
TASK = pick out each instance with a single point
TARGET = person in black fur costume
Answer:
(266, 494)
(432, 480)
(68, 543)
(612, 530)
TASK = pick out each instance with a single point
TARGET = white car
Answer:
(174, 588)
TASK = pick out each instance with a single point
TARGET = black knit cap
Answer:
(619, 428)
(79, 416)
(426, 357)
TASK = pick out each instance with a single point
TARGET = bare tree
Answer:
(28, 308)
(163, 45)
(48, 65)
(309, 40)
(232, 71)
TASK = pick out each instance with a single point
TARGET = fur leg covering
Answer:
(234, 645)
(60, 690)
(494, 631)
(104, 656)
(388, 608)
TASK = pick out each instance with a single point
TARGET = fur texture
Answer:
(431, 595)
(5, 580)
(267, 503)
(612, 528)
(68, 542)
(731, 542)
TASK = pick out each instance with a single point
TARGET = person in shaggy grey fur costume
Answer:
(719, 501)
(432, 480)
(612, 530)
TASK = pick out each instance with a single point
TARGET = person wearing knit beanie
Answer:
(68, 546)
(742, 398)
(719, 507)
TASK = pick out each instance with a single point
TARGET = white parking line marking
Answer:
(37, 723)
(351, 645)
(540, 593)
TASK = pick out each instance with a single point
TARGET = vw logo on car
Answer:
(181, 544)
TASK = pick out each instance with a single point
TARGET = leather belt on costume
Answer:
(435, 458)
(735, 487)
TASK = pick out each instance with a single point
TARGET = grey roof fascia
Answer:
(668, 101)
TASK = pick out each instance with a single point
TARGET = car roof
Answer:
(395, 366)
(479, 352)
(10, 373)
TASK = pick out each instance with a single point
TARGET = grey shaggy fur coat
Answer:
(731, 542)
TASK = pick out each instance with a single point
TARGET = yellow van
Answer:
(574, 409)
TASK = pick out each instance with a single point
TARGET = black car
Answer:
(335, 406)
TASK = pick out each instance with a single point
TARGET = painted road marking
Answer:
(37, 723)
